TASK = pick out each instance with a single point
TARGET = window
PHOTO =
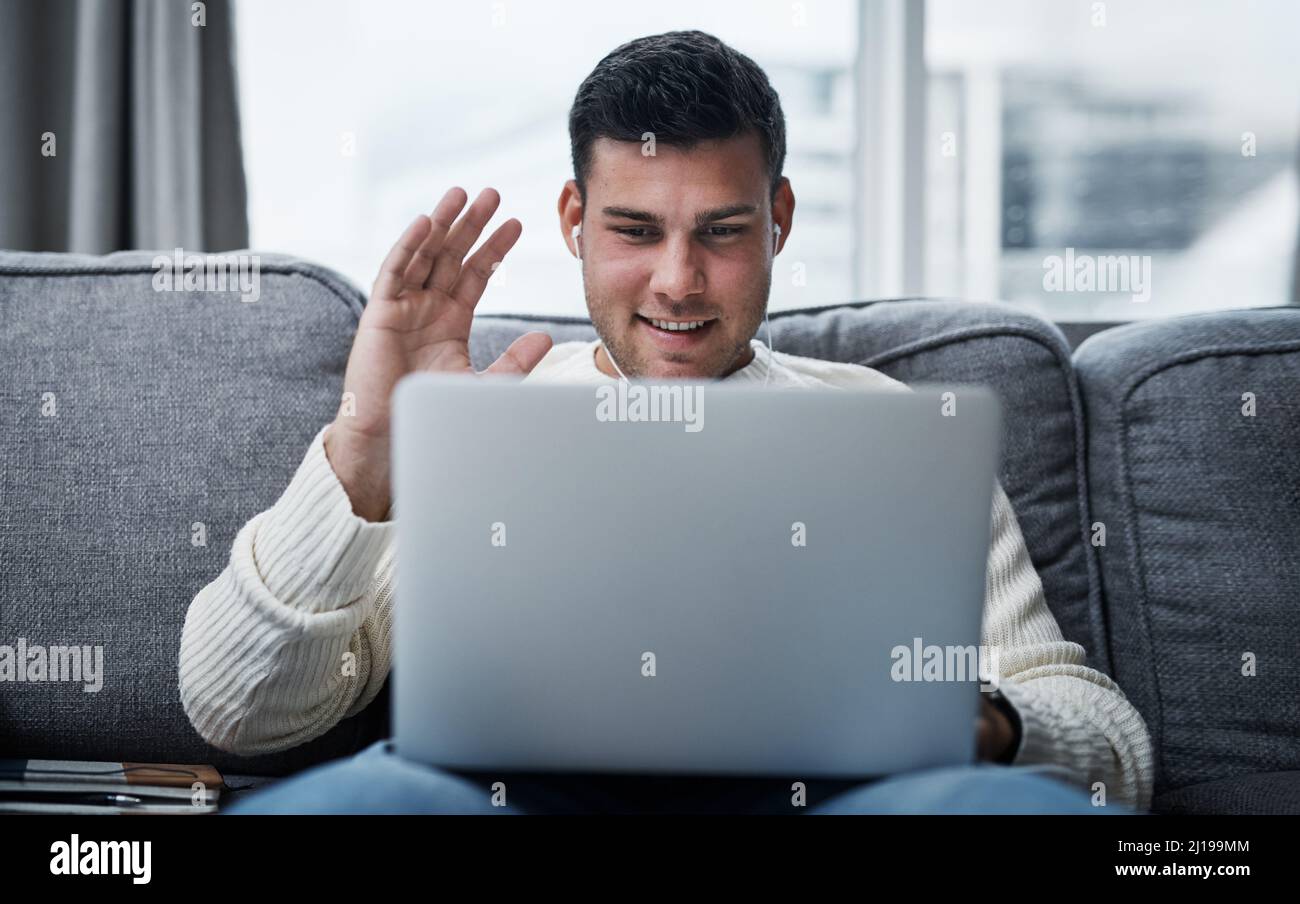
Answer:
(357, 116)
(1114, 135)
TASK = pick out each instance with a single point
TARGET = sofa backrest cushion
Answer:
(135, 422)
(1201, 502)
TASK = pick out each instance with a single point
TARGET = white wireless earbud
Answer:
(776, 241)
(576, 232)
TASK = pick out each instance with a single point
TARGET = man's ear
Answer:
(570, 210)
(783, 211)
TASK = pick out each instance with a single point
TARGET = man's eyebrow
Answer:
(721, 213)
(638, 216)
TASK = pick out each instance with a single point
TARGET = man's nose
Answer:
(677, 273)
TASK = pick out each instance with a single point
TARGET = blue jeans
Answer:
(377, 780)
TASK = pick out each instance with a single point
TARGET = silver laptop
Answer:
(712, 580)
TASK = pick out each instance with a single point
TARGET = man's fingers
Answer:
(443, 216)
(522, 355)
(461, 238)
(479, 268)
(391, 271)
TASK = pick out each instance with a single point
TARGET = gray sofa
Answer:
(176, 416)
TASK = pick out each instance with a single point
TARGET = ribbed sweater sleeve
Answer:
(294, 635)
(1072, 717)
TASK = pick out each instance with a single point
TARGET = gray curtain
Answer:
(143, 109)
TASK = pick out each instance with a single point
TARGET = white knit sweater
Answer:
(262, 653)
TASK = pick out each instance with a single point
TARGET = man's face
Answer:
(682, 236)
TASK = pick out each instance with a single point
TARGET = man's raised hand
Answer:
(418, 319)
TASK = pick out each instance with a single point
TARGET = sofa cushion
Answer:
(1022, 357)
(1201, 504)
(170, 409)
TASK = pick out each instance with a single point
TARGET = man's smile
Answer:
(675, 335)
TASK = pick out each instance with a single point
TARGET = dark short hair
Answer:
(684, 87)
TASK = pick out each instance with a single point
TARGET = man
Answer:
(676, 239)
